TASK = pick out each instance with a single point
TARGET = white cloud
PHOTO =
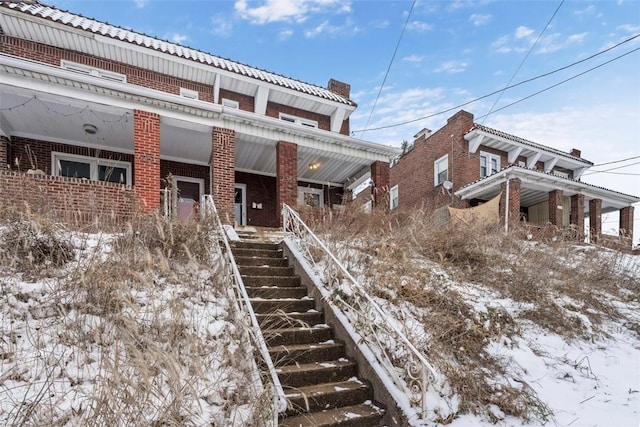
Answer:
(418, 26)
(555, 42)
(589, 10)
(326, 27)
(221, 26)
(178, 38)
(478, 20)
(452, 67)
(288, 10)
(141, 3)
(413, 58)
(285, 34)
(523, 32)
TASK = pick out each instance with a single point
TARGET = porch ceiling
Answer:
(535, 187)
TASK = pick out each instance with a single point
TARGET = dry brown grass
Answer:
(406, 258)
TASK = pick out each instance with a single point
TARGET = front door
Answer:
(189, 192)
(241, 204)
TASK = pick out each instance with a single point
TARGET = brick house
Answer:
(465, 164)
(100, 116)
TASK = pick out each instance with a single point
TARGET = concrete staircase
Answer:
(321, 383)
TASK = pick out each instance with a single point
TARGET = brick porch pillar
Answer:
(380, 178)
(514, 202)
(286, 176)
(146, 163)
(595, 219)
(4, 149)
(555, 208)
(577, 214)
(222, 172)
(626, 222)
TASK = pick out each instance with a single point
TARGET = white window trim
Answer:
(443, 159)
(230, 103)
(311, 190)
(199, 181)
(188, 93)
(93, 164)
(299, 120)
(92, 71)
(393, 196)
(489, 157)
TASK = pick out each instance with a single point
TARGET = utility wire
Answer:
(611, 169)
(563, 81)
(617, 161)
(523, 61)
(393, 57)
(500, 90)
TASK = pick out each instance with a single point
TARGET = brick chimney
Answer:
(575, 152)
(339, 88)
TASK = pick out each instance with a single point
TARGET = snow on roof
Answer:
(97, 27)
(523, 141)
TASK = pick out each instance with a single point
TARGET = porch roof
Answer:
(535, 186)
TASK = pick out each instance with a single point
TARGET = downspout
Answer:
(506, 207)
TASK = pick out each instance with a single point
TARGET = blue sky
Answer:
(451, 52)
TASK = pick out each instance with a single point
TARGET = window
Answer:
(298, 120)
(230, 103)
(313, 197)
(188, 93)
(92, 71)
(72, 166)
(489, 164)
(441, 170)
(561, 174)
(393, 197)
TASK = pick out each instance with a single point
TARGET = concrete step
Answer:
(328, 396)
(258, 253)
(362, 415)
(267, 292)
(265, 271)
(261, 262)
(306, 353)
(281, 281)
(255, 245)
(297, 335)
(285, 320)
(286, 305)
(307, 374)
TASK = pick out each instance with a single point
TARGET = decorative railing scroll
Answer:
(405, 366)
(243, 305)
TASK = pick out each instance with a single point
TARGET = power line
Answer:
(617, 161)
(500, 90)
(523, 60)
(393, 57)
(611, 169)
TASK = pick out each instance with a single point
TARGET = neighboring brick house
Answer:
(465, 164)
(104, 111)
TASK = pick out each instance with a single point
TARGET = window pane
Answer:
(112, 174)
(442, 176)
(312, 199)
(75, 169)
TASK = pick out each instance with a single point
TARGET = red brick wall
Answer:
(577, 214)
(555, 208)
(514, 202)
(185, 169)
(69, 199)
(4, 142)
(274, 110)
(260, 189)
(41, 154)
(222, 172)
(146, 142)
(137, 76)
(595, 219)
(287, 174)
(246, 102)
(414, 172)
(380, 178)
(626, 221)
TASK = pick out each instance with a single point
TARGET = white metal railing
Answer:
(243, 304)
(404, 365)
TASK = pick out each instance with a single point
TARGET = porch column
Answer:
(222, 172)
(577, 214)
(626, 222)
(555, 208)
(380, 178)
(146, 163)
(4, 142)
(286, 176)
(595, 219)
(514, 202)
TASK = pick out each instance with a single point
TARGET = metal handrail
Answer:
(418, 372)
(280, 400)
